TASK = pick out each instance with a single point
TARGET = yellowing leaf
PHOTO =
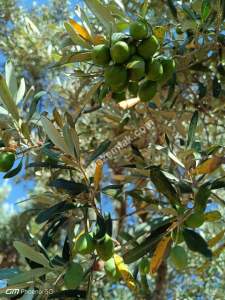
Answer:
(212, 216)
(128, 103)
(191, 45)
(80, 30)
(75, 37)
(118, 177)
(208, 166)
(219, 250)
(159, 254)
(57, 118)
(124, 271)
(159, 32)
(213, 241)
(98, 39)
(98, 173)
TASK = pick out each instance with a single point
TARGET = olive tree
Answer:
(129, 157)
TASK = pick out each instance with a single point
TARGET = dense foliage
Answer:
(119, 118)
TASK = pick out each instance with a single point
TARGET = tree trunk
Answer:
(161, 283)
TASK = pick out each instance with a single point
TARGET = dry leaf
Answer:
(124, 271)
(80, 30)
(98, 173)
(99, 39)
(208, 166)
(212, 216)
(191, 45)
(118, 177)
(213, 241)
(159, 254)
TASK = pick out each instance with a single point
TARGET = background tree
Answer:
(184, 136)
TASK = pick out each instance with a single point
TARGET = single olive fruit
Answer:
(138, 30)
(155, 70)
(116, 76)
(119, 96)
(120, 52)
(7, 160)
(101, 54)
(179, 257)
(136, 68)
(169, 67)
(148, 47)
(73, 276)
(85, 244)
(147, 90)
(195, 220)
(111, 270)
(105, 248)
(144, 266)
(133, 88)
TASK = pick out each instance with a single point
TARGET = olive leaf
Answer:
(10, 78)
(163, 185)
(73, 57)
(14, 171)
(205, 10)
(102, 13)
(192, 128)
(34, 103)
(7, 99)
(21, 91)
(27, 276)
(196, 243)
(76, 38)
(172, 8)
(100, 150)
(53, 211)
(68, 139)
(54, 135)
(73, 276)
(31, 254)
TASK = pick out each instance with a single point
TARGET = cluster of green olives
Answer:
(87, 244)
(133, 63)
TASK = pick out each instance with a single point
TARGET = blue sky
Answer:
(19, 190)
(28, 4)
